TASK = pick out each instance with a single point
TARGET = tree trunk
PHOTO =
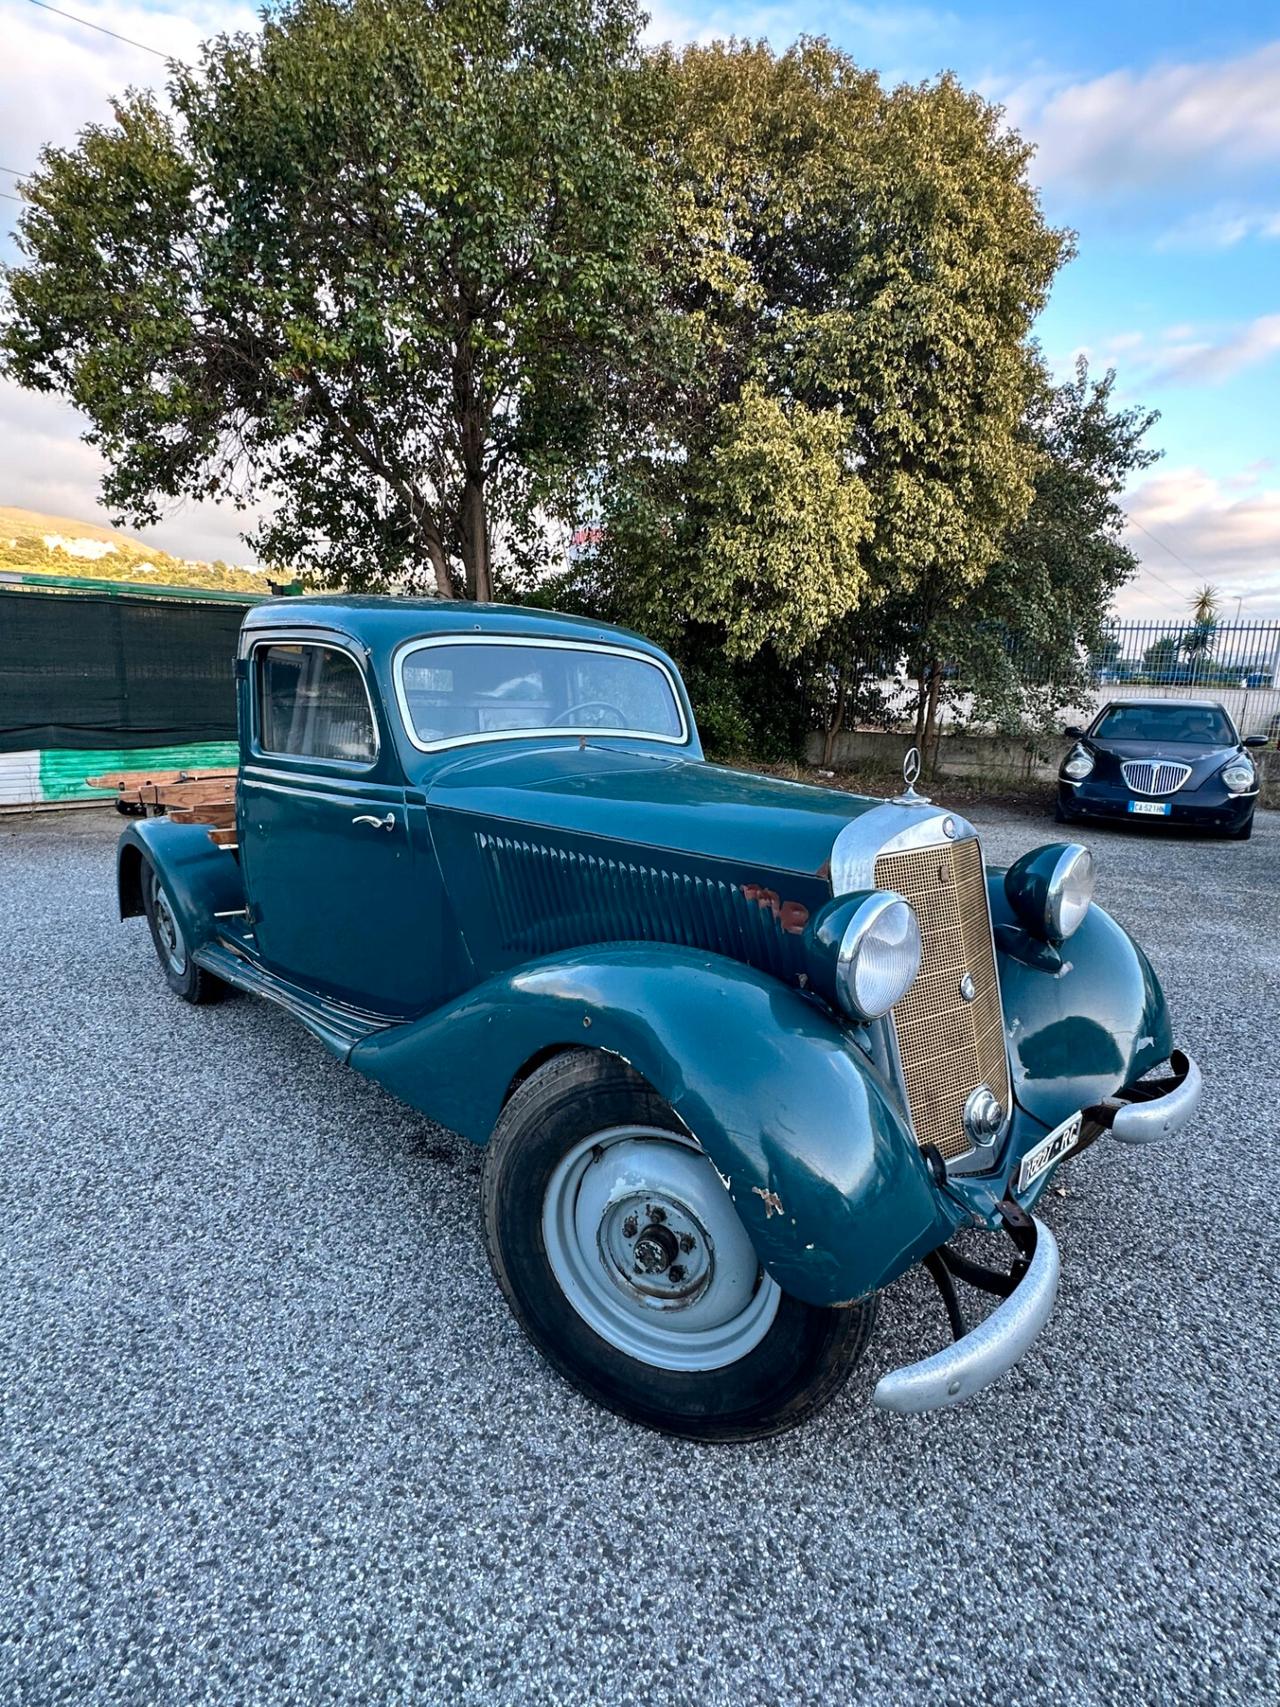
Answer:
(835, 723)
(922, 677)
(476, 563)
(931, 731)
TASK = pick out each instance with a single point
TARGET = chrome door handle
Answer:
(387, 823)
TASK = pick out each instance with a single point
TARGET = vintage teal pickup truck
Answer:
(742, 1051)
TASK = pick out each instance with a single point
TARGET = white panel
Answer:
(20, 779)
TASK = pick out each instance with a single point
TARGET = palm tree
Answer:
(1197, 642)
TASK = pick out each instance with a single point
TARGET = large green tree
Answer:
(1017, 647)
(374, 269)
(848, 285)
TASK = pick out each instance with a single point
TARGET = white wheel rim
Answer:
(646, 1245)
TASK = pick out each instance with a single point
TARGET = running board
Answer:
(339, 1028)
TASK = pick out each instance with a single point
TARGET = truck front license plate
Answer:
(1152, 808)
(1060, 1142)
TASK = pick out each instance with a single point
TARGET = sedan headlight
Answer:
(1078, 764)
(1239, 775)
(864, 952)
(1050, 889)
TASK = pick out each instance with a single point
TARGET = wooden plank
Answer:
(220, 813)
(223, 838)
(128, 780)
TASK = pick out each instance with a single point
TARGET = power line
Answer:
(1187, 566)
(13, 172)
(21, 200)
(115, 36)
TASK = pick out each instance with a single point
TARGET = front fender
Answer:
(814, 1149)
(1081, 1021)
(200, 878)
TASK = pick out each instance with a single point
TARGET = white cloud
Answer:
(1221, 227)
(45, 466)
(1131, 130)
(1199, 528)
(55, 78)
(1212, 362)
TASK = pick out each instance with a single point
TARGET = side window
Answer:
(312, 704)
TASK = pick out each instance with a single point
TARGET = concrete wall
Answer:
(989, 758)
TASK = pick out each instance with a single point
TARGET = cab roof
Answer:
(382, 620)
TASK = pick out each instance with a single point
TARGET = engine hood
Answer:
(654, 801)
(1179, 752)
(1204, 761)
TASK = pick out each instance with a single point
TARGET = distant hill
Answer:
(61, 545)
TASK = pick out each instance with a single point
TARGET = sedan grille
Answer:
(1152, 776)
(948, 1045)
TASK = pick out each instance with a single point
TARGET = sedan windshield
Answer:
(1196, 725)
(473, 690)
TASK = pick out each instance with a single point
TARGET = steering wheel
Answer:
(615, 720)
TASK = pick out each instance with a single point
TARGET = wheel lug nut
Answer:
(656, 1213)
(676, 1271)
(630, 1227)
(686, 1242)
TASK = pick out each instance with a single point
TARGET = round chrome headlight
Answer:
(1078, 765)
(864, 951)
(1051, 888)
(1239, 775)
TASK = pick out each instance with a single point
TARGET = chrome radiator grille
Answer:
(1152, 776)
(948, 1045)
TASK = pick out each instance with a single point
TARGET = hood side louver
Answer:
(546, 899)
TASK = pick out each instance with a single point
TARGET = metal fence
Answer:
(1236, 663)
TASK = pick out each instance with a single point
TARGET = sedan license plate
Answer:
(1152, 808)
(1060, 1142)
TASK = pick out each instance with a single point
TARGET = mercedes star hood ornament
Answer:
(910, 773)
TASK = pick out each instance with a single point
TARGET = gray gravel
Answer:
(269, 1434)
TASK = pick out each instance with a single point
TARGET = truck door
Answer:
(339, 872)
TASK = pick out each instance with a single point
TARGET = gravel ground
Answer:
(269, 1433)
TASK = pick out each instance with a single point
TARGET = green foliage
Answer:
(837, 385)
(1160, 658)
(1024, 641)
(783, 521)
(377, 270)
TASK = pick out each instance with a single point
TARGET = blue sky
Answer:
(1158, 141)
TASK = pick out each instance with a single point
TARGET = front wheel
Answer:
(182, 975)
(622, 1256)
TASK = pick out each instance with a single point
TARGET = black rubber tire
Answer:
(803, 1360)
(1243, 833)
(192, 982)
(1061, 817)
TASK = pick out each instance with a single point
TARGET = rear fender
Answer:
(200, 878)
(811, 1144)
(1082, 1020)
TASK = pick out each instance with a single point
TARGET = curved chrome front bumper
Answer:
(1139, 1114)
(1161, 1115)
(987, 1351)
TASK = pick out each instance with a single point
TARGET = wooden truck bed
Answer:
(188, 797)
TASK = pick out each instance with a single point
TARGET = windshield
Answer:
(1198, 725)
(473, 690)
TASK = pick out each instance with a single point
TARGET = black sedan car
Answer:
(1170, 761)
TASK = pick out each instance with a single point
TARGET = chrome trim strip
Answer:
(1146, 1122)
(896, 828)
(1154, 776)
(986, 1353)
(409, 647)
(885, 829)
